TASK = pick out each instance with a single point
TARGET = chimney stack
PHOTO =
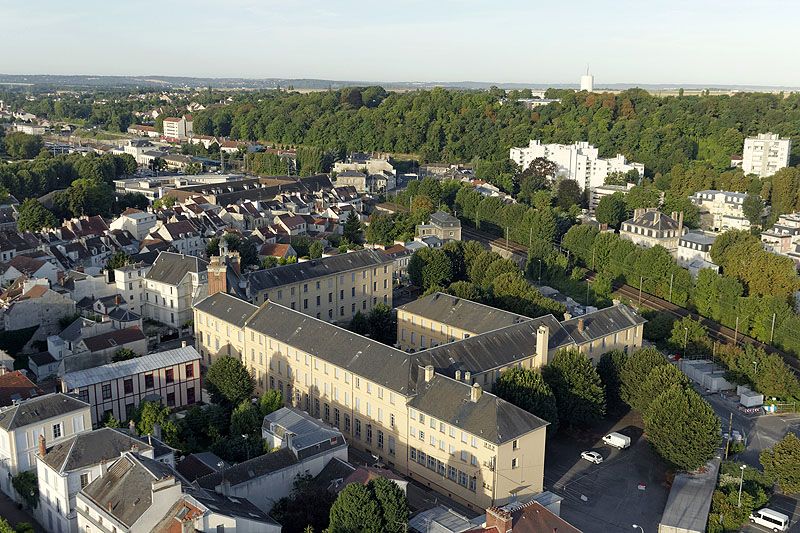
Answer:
(475, 393)
(428, 373)
(458, 375)
(680, 224)
(183, 344)
(157, 431)
(42, 446)
(498, 518)
(467, 376)
(543, 343)
(567, 316)
(581, 324)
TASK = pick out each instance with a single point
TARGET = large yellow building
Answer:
(447, 433)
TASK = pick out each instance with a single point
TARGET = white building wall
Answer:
(765, 154)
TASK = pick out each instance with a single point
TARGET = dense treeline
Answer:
(457, 126)
(756, 286)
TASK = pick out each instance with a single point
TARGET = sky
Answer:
(731, 42)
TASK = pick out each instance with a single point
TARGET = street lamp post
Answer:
(755, 363)
(640, 528)
(741, 480)
(540, 271)
(685, 342)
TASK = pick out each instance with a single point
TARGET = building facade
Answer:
(650, 227)
(579, 161)
(29, 425)
(721, 210)
(765, 154)
(172, 285)
(117, 389)
(376, 395)
(694, 252)
(332, 288)
(442, 225)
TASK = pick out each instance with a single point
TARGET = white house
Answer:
(579, 161)
(172, 285)
(649, 227)
(163, 502)
(765, 154)
(183, 236)
(38, 306)
(70, 465)
(138, 222)
(129, 282)
(721, 210)
(694, 252)
(28, 426)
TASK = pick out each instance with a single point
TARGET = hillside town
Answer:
(202, 331)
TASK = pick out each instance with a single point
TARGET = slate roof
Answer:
(446, 220)
(194, 466)
(123, 315)
(130, 367)
(462, 313)
(15, 386)
(307, 430)
(654, 220)
(91, 448)
(170, 268)
(490, 418)
(495, 349)
(254, 468)
(226, 307)
(229, 505)
(37, 409)
(372, 360)
(114, 338)
(602, 322)
(306, 270)
(125, 491)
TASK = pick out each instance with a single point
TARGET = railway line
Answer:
(716, 331)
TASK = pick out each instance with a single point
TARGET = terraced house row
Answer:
(449, 434)
(428, 413)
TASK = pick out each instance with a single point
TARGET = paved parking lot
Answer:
(628, 487)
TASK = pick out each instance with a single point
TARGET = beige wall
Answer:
(312, 384)
(630, 339)
(336, 297)
(419, 333)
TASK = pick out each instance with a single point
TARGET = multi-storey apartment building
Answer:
(138, 222)
(333, 288)
(66, 468)
(650, 227)
(172, 285)
(477, 447)
(129, 283)
(117, 389)
(721, 210)
(178, 127)
(765, 154)
(29, 425)
(579, 161)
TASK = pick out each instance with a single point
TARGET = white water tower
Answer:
(587, 81)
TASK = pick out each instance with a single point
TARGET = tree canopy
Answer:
(228, 381)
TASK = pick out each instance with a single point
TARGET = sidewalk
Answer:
(14, 515)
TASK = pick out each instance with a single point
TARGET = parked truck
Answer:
(618, 440)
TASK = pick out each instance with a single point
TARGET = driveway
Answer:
(628, 487)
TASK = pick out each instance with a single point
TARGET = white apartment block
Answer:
(579, 161)
(32, 423)
(129, 282)
(765, 154)
(587, 82)
(117, 389)
(721, 210)
(178, 127)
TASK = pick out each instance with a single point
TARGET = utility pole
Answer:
(772, 331)
(730, 432)
(736, 332)
(641, 281)
(506, 237)
(530, 239)
(540, 271)
(671, 278)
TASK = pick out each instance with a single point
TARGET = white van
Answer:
(770, 519)
(617, 440)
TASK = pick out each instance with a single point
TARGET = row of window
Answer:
(450, 472)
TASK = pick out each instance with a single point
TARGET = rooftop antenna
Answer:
(587, 69)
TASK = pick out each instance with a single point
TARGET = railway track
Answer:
(716, 331)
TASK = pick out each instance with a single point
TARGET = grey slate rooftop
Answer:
(37, 409)
(254, 468)
(654, 220)
(226, 307)
(307, 431)
(91, 448)
(170, 268)
(462, 313)
(372, 360)
(306, 270)
(495, 349)
(490, 418)
(602, 322)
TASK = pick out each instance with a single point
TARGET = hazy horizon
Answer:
(673, 43)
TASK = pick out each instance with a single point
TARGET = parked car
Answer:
(618, 440)
(592, 457)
